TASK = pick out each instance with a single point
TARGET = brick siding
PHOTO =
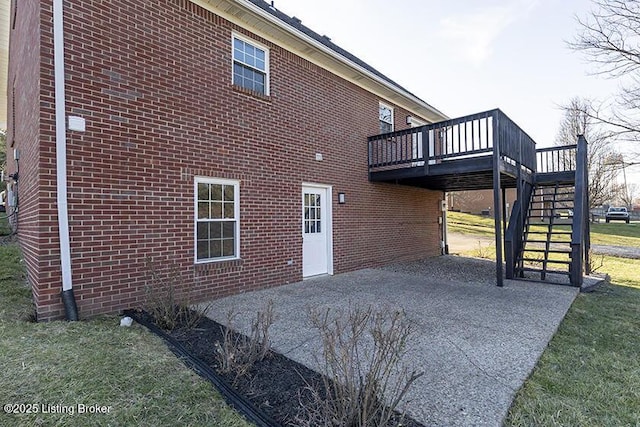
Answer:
(154, 85)
(478, 201)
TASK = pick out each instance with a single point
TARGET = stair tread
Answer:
(552, 201)
(539, 270)
(549, 216)
(547, 209)
(553, 261)
(554, 251)
(550, 232)
(551, 193)
(541, 244)
(549, 198)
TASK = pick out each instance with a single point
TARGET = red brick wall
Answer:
(155, 90)
(477, 201)
(30, 130)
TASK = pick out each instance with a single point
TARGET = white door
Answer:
(316, 233)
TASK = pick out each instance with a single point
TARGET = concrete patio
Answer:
(475, 342)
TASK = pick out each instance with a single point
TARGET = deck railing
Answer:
(556, 159)
(465, 137)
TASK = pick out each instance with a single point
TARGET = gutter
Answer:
(240, 17)
(68, 299)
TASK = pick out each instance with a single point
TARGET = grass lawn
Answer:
(589, 375)
(616, 234)
(127, 372)
(5, 229)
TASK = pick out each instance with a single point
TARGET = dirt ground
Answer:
(459, 242)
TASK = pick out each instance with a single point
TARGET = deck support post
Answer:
(504, 211)
(582, 142)
(497, 205)
(580, 242)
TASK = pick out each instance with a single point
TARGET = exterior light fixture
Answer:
(341, 198)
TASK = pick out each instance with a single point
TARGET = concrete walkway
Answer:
(475, 342)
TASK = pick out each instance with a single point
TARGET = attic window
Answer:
(250, 65)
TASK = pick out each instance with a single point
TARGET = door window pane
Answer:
(312, 213)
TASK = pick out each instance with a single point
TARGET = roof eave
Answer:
(248, 15)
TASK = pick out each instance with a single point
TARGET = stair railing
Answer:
(513, 240)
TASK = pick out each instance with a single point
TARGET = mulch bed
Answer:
(272, 385)
(275, 385)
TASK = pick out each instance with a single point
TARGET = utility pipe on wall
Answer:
(70, 308)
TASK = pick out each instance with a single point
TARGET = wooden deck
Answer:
(467, 153)
(452, 175)
(460, 154)
(488, 151)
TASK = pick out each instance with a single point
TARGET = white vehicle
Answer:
(617, 214)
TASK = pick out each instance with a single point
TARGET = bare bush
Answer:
(486, 252)
(169, 306)
(596, 262)
(364, 379)
(535, 259)
(237, 353)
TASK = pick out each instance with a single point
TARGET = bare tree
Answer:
(629, 195)
(601, 155)
(610, 39)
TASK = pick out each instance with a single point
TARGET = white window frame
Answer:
(266, 60)
(236, 207)
(390, 108)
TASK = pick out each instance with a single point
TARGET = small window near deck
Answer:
(386, 118)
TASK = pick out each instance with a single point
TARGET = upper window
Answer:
(250, 65)
(217, 219)
(386, 118)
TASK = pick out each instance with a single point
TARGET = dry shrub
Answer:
(535, 259)
(364, 380)
(596, 262)
(485, 252)
(170, 307)
(238, 353)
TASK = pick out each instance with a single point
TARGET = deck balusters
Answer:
(459, 138)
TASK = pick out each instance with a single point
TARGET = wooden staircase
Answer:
(546, 249)
(489, 151)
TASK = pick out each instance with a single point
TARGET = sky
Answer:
(468, 56)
